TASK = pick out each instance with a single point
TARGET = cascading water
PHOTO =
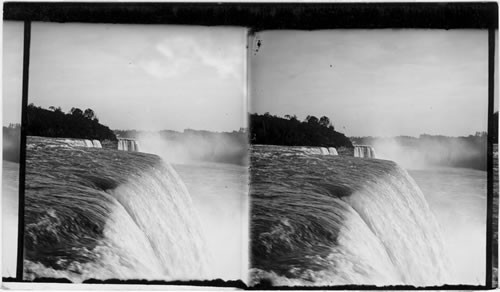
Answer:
(105, 214)
(167, 221)
(298, 150)
(333, 151)
(71, 142)
(128, 145)
(364, 151)
(324, 151)
(396, 212)
(340, 221)
(96, 144)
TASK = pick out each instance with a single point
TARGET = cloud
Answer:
(176, 56)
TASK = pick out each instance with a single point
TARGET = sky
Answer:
(154, 77)
(144, 77)
(375, 82)
(12, 75)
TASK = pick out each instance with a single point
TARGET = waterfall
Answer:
(96, 143)
(128, 145)
(312, 150)
(108, 214)
(167, 219)
(71, 142)
(364, 151)
(397, 214)
(333, 151)
(358, 221)
(88, 143)
(324, 151)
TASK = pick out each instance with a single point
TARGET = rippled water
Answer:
(329, 220)
(100, 213)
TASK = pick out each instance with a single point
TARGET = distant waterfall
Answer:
(298, 150)
(333, 151)
(364, 151)
(96, 143)
(314, 150)
(128, 145)
(72, 142)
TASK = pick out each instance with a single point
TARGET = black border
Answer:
(22, 157)
(261, 16)
(489, 163)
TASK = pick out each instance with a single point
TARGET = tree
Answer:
(76, 112)
(272, 130)
(287, 117)
(49, 123)
(324, 121)
(312, 120)
(89, 114)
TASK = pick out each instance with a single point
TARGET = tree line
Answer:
(77, 123)
(289, 131)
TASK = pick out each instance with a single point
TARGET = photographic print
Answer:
(136, 153)
(368, 162)
(343, 146)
